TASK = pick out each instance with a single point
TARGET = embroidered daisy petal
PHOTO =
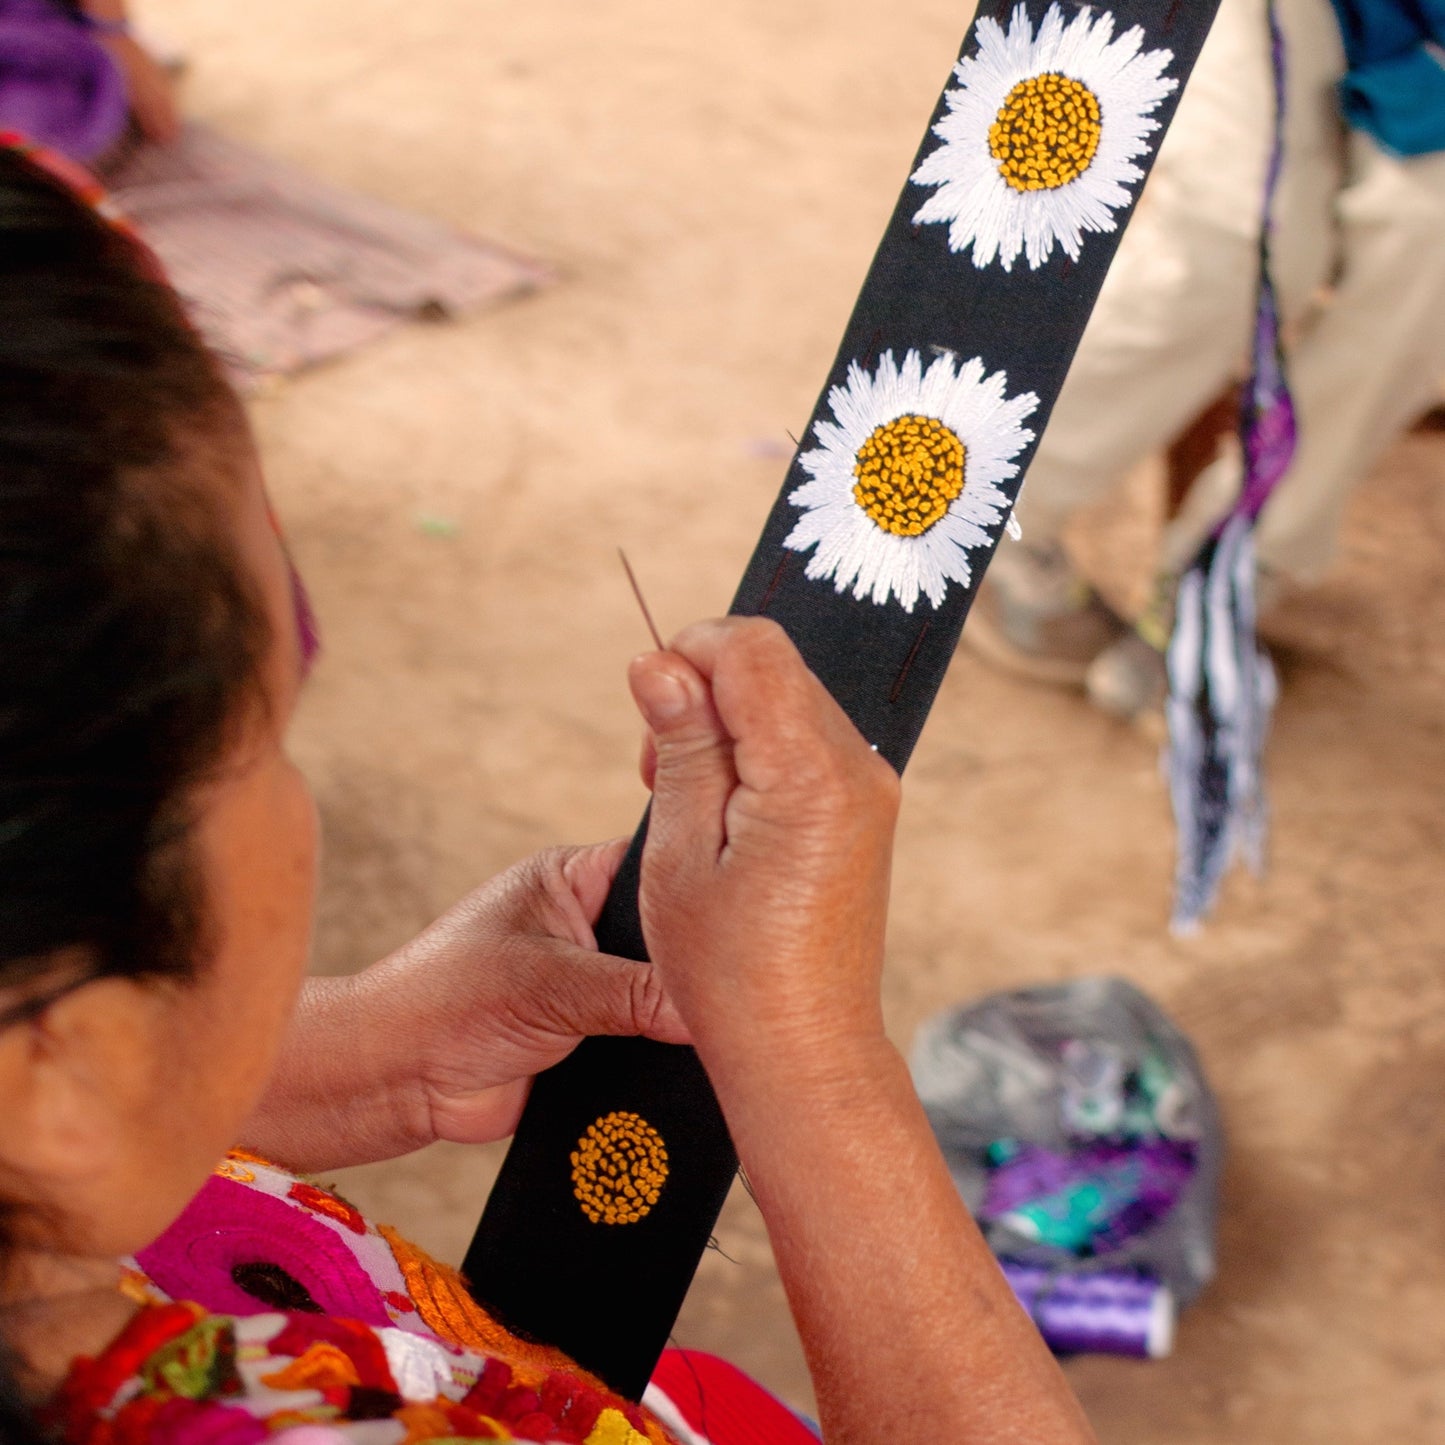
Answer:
(1041, 135)
(906, 478)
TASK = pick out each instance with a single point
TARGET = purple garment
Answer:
(58, 85)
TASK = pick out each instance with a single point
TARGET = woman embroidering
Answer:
(157, 857)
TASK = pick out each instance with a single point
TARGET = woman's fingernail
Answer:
(662, 696)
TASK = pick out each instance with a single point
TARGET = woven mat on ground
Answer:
(283, 271)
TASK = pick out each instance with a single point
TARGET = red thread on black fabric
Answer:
(902, 677)
(1171, 17)
(773, 585)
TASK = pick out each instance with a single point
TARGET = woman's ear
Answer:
(79, 1083)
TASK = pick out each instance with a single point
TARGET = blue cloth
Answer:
(1394, 89)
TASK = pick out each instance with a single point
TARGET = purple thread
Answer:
(1113, 1312)
(1267, 424)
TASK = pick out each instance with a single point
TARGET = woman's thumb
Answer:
(694, 773)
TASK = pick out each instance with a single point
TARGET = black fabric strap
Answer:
(564, 1253)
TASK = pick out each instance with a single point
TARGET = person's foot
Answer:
(1128, 679)
(1036, 616)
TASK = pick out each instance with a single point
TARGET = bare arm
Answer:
(764, 892)
(150, 90)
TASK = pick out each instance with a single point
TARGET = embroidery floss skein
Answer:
(1111, 1313)
(1222, 684)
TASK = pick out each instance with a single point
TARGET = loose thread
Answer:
(773, 585)
(746, 1183)
(715, 1247)
(897, 690)
(641, 601)
(697, 1385)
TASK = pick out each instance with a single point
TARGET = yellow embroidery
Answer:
(312, 1415)
(229, 1169)
(138, 1289)
(612, 1428)
(909, 471)
(618, 1169)
(1047, 132)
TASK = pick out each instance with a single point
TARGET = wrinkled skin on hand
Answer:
(765, 876)
(509, 981)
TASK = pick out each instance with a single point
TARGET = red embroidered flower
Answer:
(358, 1344)
(92, 1383)
(204, 1422)
(318, 1201)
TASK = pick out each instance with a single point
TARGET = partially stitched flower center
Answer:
(909, 471)
(1046, 133)
(618, 1169)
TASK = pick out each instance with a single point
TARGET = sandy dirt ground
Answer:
(709, 182)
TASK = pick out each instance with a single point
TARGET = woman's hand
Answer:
(765, 876)
(764, 887)
(441, 1039)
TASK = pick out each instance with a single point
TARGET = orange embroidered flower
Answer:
(318, 1201)
(366, 1363)
(245, 1156)
(446, 1306)
(322, 1367)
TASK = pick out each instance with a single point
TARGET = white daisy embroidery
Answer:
(1041, 135)
(906, 481)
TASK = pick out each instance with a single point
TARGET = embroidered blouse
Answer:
(272, 1310)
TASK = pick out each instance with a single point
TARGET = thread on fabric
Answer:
(1047, 132)
(619, 1168)
(1041, 137)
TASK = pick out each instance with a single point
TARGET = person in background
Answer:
(74, 76)
(1359, 269)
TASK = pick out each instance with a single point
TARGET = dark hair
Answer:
(131, 636)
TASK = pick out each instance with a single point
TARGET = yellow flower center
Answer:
(908, 472)
(618, 1169)
(1046, 133)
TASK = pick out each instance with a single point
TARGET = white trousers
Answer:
(1176, 314)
